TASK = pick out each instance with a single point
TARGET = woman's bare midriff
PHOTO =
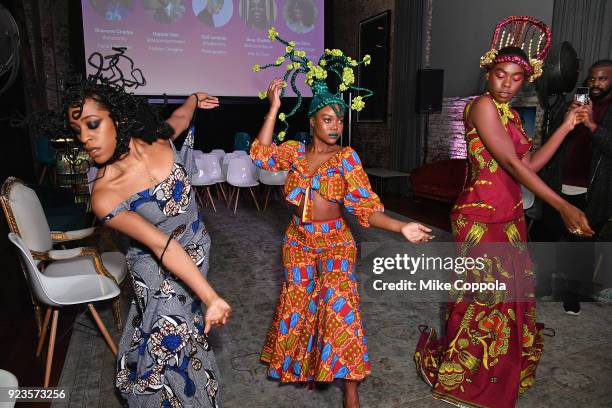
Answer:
(322, 210)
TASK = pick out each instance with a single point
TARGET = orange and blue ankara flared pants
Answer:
(317, 333)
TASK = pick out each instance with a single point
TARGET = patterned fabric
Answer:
(316, 333)
(164, 356)
(341, 179)
(489, 193)
(493, 343)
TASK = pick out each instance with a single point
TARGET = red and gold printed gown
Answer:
(316, 333)
(493, 344)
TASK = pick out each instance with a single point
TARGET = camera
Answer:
(582, 95)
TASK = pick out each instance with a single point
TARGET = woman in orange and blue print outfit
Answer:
(316, 333)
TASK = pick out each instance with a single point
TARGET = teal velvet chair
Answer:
(242, 141)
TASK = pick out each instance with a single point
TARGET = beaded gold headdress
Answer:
(527, 33)
(316, 73)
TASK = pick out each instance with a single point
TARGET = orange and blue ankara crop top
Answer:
(341, 179)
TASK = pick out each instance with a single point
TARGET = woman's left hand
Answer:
(415, 232)
(206, 101)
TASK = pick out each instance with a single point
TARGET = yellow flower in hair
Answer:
(328, 51)
(281, 116)
(316, 72)
(256, 68)
(272, 33)
(352, 62)
(342, 87)
(348, 77)
(309, 81)
(321, 74)
(336, 52)
(322, 63)
(367, 59)
(279, 60)
(358, 103)
(263, 94)
(281, 136)
(309, 64)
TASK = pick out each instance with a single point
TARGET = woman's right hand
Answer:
(575, 221)
(218, 313)
(274, 90)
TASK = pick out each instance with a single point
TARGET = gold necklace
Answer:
(152, 178)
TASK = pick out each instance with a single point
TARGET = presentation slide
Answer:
(183, 46)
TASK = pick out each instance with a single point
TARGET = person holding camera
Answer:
(581, 172)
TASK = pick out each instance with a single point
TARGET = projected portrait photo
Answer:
(112, 10)
(165, 11)
(300, 15)
(258, 14)
(213, 13)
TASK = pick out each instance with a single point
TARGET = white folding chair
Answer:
(240, 174)
(272, 179)
(58, 287)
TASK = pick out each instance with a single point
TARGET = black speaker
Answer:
(429, 87)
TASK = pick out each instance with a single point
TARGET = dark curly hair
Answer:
(108, 87)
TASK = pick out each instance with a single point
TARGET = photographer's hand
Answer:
(587, 115)
(573, 117)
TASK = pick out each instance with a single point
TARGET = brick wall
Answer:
(371, 140)
(48, 32)
(446, 131)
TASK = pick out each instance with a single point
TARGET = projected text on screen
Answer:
(183, 46)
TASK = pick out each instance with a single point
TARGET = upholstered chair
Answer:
(26, 218)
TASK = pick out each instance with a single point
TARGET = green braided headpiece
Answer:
(331, 61)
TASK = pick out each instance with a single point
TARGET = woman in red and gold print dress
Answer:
(493, 344)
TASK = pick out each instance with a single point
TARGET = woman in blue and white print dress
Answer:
(143, 189)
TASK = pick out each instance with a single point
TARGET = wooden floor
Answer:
(18, 338)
